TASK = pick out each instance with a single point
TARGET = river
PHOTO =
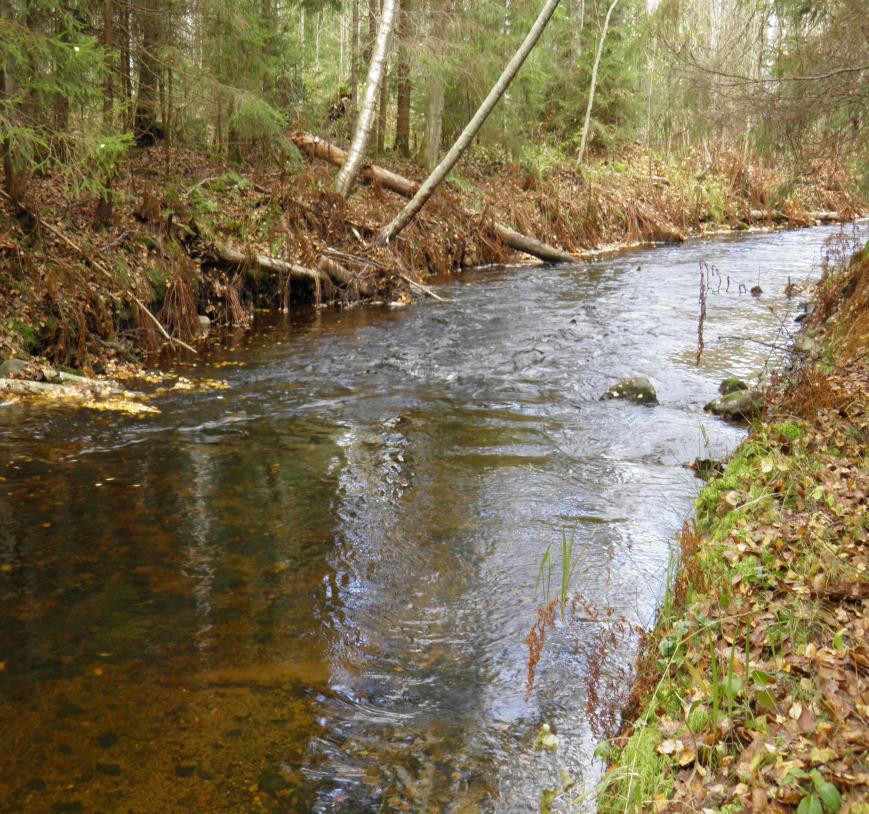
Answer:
(310, 590)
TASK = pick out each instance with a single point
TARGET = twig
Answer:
(420, 287)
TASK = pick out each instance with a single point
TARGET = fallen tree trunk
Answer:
(343, 276)
(323, 277)
(828, 217)
(25, 387)
(780, 217)
(97, 385)
(530, 245)
(271, 264)
(318, 148)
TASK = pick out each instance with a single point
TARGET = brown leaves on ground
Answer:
(764, 700)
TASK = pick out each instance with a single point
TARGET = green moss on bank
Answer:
(751, 691)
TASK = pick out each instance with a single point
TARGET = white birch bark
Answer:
(473, 127)
(347, 177)
(597, 56)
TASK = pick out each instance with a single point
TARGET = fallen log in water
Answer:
(270, 264)
(776, 216)
(78, 391)
(25, 387)
(96, 385)
(327, 271)
(318, 148)
(828, 217)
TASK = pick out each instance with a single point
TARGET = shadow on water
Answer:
(310, 591)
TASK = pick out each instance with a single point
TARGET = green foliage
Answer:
(53, 75)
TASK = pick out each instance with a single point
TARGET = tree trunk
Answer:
(354, 68)
(60, 123)
(402, 116)
(577, 18)
(591, 89)
(126, 80)
(434, 121)
(382, 108)
(362, 133)
(109, 46)
(145, 127)
(464, 140)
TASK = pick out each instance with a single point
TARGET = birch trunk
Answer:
(597, 56)
(362, 134)
(354, 67)
(473, 127)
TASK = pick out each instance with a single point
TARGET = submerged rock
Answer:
(732, 385)
(107, 739)
(272, 783)
(741, 405)
(635, 388)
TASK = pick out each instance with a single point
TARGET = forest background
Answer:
(176, 113)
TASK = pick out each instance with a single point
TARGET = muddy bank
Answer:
(194, 244)
(751, 690)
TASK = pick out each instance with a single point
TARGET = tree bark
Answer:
(145, 127)
(109, 46)
(313, 146)
(434, 121)
(296, 272)
(354, 68)
(593, 86)
(464, 141)
(577, 16)
(402, 116)
(382, 108)
(126, 80)
(362, 133)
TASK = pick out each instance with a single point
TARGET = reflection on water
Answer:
(310, 592)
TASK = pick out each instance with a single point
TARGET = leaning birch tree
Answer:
(462, 143)
(365, 122)
(593, 86)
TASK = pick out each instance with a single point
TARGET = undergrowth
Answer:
(171, 207)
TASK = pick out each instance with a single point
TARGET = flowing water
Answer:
(310, 591)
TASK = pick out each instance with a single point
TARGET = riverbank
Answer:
(192, 243)
(751, 691)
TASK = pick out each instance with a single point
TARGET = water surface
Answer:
(310, 591)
